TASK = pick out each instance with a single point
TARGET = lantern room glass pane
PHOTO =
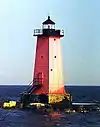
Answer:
(48, 26)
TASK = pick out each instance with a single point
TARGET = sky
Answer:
(80, 46)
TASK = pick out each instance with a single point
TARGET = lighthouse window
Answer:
(54, 56)
(41, 56)
(51, 69)
(54, 39)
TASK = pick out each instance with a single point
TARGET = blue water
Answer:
(24, 118)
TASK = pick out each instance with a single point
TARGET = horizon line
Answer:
(64, 84)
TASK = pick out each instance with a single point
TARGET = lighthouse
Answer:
(48, 81)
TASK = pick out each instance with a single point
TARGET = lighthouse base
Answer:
(53, 100)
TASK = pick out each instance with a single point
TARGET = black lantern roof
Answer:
(48, 21)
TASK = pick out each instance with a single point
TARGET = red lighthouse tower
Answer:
(48, 85)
